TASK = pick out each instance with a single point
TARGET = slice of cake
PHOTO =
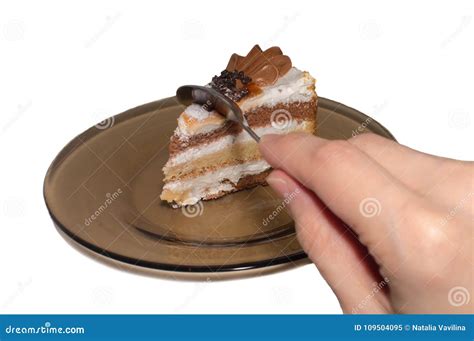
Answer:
(209, 156)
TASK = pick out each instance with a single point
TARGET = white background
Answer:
(65, 66)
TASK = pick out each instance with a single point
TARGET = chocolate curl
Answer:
(282, 63)
(268, 74)
(272, 51)
(234, 60)
(264, 67)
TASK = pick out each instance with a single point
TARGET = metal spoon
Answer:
(188, 94)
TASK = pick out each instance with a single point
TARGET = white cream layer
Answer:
(227, 141)
(210, 183)
(197, 120)
(294, 86)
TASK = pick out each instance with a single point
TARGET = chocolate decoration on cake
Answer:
(263, 67)
(232, 84)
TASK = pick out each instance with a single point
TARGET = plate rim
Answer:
(164, 103)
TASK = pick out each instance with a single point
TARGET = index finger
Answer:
(351, 184)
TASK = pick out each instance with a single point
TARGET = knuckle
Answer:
(430, 244)
(333, 151)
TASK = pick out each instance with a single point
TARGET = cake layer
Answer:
(294, 86)
(246, 182)
(284, 119)
(291, 92)
(225, 151)
(236, 153)
(226, 141)
(211, 184)
(197, 120)
(218, 191)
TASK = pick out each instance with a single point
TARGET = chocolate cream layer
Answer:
(291, 99)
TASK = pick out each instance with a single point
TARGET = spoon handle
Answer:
(251, 132)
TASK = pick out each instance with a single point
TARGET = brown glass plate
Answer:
(102, 191)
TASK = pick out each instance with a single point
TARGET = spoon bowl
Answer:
(211, 98)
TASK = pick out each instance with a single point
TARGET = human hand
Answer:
(389, 228)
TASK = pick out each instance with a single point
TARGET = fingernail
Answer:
(278, 184)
